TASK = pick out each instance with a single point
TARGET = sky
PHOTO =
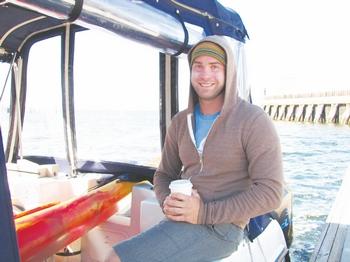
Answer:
(295, 46)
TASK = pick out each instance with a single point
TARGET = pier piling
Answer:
(323, 107)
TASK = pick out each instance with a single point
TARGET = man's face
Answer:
(208, 77)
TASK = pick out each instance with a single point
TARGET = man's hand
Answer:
(180, 207)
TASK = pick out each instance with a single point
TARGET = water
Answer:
(315, 157)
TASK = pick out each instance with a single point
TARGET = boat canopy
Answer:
(162, 24)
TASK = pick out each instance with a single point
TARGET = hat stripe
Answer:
(210, 53)
(209, 49)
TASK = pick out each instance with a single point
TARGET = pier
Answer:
(320, 107)
(334, 243)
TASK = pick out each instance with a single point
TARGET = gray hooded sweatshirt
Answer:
(239, 173)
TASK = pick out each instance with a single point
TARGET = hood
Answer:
(235, 72)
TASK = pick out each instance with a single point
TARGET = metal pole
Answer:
(135, 20)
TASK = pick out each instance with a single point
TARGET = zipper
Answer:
(200, 154)
(200, 162)
(190, 130)
(199, 12)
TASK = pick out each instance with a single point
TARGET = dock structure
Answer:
(321, 107)
(334, 243)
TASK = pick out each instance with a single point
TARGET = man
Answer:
(229, 150)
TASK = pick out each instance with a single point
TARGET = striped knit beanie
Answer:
(209, 49)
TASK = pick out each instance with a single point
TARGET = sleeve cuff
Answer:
(202, 213)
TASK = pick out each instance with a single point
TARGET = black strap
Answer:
(185, 43)
(76, 11)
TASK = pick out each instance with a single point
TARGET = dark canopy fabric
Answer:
(213, 17)
(18, 24)
(11, 34)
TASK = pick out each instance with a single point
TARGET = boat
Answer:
(71, 208)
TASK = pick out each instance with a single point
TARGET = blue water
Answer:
(315, 157)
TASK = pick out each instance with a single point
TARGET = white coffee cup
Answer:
(183, 186)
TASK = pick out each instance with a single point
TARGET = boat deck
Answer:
(334, 244)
